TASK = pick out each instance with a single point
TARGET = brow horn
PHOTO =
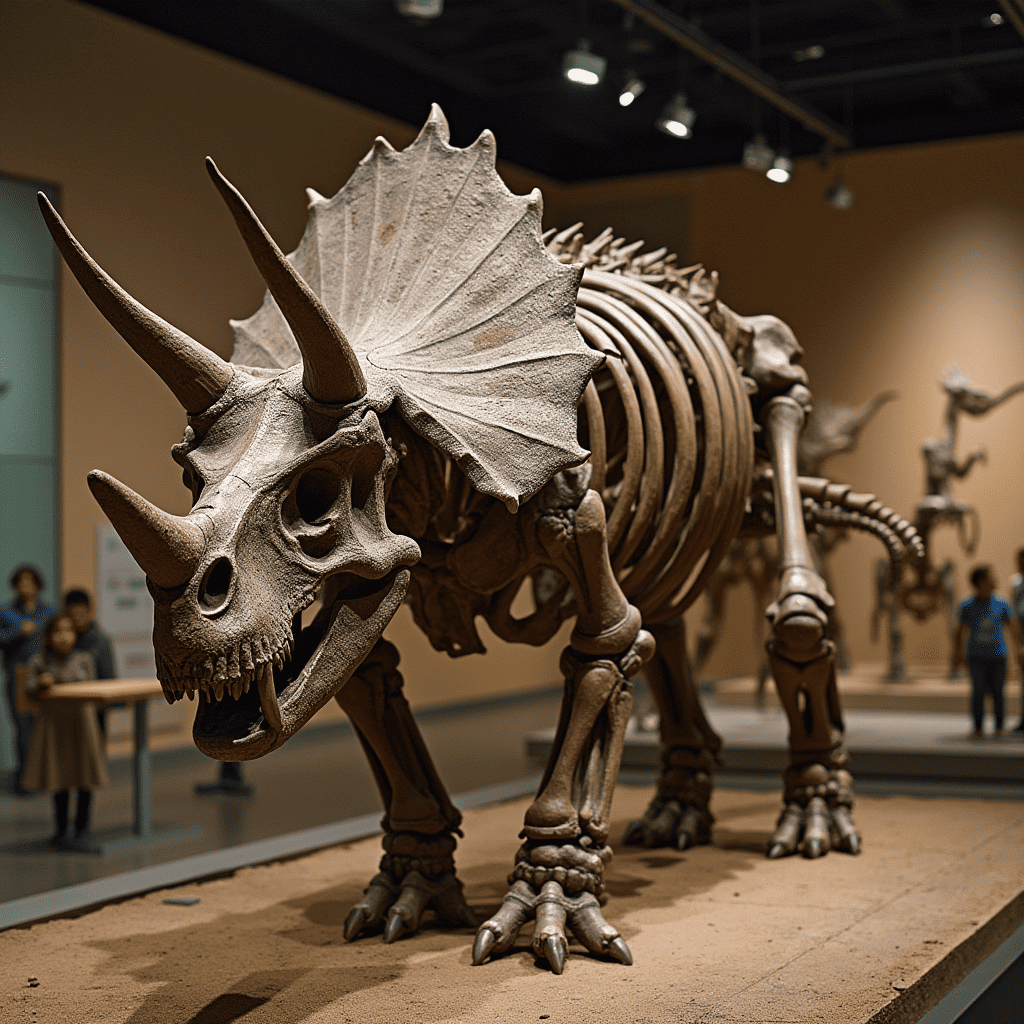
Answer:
(196, 376)
(330, 368)
(169, 548)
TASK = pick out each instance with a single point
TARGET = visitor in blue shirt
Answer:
(1017, 589)
(22, 624)
(979, 640)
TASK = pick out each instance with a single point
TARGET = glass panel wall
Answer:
(29, 462)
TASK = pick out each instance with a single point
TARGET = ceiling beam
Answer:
(1014, 10)
(940, 65)
(739, 69)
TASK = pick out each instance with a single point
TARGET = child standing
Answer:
(981, 626)
(66, 750)
(1017, 588)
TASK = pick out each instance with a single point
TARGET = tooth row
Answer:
(233, 676)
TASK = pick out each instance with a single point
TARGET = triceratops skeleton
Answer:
(399, 421)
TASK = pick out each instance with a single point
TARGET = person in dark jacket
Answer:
(91, 638)
(23, 622)
(94, 640)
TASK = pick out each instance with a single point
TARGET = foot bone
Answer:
(553, 911)
(417, 873)
(817, 814)
(678, 815)
(559, 885)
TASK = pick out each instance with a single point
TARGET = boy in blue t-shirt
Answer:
(1017, 589)
(981, 626)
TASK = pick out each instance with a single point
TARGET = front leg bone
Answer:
(558, 875)
(417, 870)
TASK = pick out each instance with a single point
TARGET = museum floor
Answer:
(321, 777)
(318, 777)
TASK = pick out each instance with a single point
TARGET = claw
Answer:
(554, 951)
(847, 837)
(618, 949)
(354, 923)
(787, 832)
(813, 848)
(396, 927)
(688, 830)
(482, 946)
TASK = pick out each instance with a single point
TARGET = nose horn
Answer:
(169, 548)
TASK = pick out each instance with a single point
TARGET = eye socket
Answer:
(213, 590)
(316, 493)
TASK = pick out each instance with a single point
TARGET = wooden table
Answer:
(138, 693)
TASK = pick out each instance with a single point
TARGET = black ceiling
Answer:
(892, 71)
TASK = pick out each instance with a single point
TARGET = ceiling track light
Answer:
(781, 169)
(631, 89)
(757, 154)
(838, 195)
(582, 66)
(420, 10)
(677, 118)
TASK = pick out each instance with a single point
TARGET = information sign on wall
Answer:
(123, 605)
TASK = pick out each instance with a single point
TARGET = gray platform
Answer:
(898, 745)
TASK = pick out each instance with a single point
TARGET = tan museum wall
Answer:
(924, 270)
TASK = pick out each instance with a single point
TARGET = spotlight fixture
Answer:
(757, 154)
(631, 89)
(838, 194)
(677, 118)
(420, 10)
(583, 67)
(781, 169)
(815, 52)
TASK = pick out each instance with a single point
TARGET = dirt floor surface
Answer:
(718, 933)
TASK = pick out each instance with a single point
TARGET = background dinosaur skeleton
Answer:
(922, 587)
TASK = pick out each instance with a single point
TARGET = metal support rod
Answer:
(142, 771)
(751, 77)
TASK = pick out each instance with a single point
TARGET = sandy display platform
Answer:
(717, 933)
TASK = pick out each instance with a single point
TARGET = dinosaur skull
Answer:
(289, 473)
(291, 503)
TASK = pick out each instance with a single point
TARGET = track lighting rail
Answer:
(730, 63)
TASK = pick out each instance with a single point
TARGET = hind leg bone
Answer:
(818, 790)
(678, 815)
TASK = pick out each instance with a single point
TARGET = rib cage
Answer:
(670, 429)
